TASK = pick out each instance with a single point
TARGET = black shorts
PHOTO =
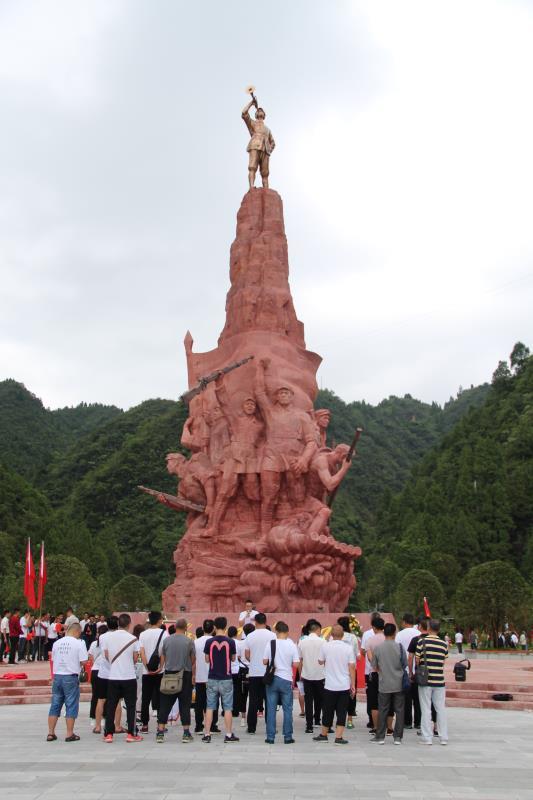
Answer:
(335, 703)
(372, 691)
(101, 688)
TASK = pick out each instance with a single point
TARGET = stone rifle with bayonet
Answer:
(207, 379)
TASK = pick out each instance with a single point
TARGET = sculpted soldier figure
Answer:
(241, 462)
(217, 436)
(322, 418)
(326, 470)
(197, 479)
(290, 445)
(260, 145)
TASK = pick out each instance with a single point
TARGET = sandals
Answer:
(97, 731)
(73, 738)
(51, 737)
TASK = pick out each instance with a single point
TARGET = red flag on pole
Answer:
(427, 612)
(42, 577)
(29, 578)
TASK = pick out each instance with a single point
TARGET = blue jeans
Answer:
(222, 689)
(65, 689)
(279, 692)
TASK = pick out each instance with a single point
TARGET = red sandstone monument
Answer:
(256, 483)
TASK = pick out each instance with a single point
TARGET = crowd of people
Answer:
(240, 674)
(25, 637)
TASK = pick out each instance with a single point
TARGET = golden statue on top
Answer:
(261, 143)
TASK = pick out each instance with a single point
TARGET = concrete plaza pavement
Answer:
(489, 757)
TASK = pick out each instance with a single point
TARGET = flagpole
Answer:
(41, 601)
(41, 595)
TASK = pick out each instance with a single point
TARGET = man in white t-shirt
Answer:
(254, 652)
(339, 662)
(69, 654)
(121, 650)
(4, 634)
(368, 667)
(312, 674)
(459, 641)
(40, 628)
(279, 692)
(23, 637)
(150, 641)
(405, 637)
(248, 615)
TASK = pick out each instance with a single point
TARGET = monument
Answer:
(255, 485)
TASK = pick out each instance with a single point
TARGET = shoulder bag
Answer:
(152, 665)
(422, 671)
(268, 677)
(172, 682)
(243, 671)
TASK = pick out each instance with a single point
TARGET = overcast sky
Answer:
(404, 158)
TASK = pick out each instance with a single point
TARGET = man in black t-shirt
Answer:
(219, 652)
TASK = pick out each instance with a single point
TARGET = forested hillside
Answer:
(88, 461)
(31, 436)
(470, 499)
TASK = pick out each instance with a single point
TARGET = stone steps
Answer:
(469, 686)
(32, 690)
(467, 702)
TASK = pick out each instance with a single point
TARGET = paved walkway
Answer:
(489, 757)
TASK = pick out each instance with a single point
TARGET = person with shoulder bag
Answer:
(178, 658)
(279, 657)
(431, 653)
(151, 642)
(121, 651)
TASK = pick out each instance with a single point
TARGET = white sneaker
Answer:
(427, 743)
(397, 741)
(444, 741)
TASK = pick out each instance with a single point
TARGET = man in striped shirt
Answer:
(433, 651)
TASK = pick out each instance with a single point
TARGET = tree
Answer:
(131, 593)
(519, 356)
(69, 584)
(492, 594)
(413, 587)
(502, 374)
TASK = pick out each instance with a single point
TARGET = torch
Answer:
(250, 90)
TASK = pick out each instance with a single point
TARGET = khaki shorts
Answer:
(258, 158)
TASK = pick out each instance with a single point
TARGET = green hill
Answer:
(470, 500)
(31, 436)
(86, 463)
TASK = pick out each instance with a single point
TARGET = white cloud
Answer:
(403, 158)
(54, 48)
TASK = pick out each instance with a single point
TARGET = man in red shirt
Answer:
(14, 632)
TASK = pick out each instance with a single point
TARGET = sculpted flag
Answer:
(42, 577)
(29, 578)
